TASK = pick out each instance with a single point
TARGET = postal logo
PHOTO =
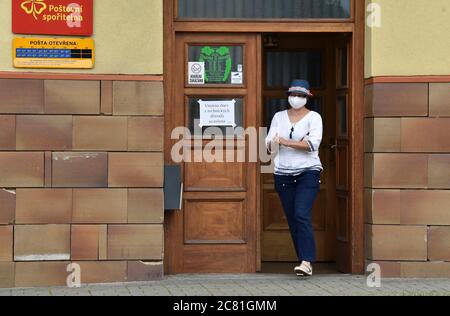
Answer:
(53, 17)
(34, 7)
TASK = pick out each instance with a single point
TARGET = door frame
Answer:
(355, 26)
(324, 44)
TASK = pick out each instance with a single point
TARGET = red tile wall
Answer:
(407, 178)
(81, 169)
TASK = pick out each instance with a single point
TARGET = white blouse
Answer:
(291, 161)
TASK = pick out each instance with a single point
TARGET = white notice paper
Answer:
(217, 113)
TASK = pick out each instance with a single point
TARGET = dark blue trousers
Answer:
(297, 194)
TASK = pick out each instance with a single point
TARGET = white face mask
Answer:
(297, 102)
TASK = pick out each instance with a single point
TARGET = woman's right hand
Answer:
(276, 139)
(280, 140)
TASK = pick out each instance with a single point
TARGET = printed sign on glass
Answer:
(217, 113)
(220, 62)
(196, 72)
(236, 77)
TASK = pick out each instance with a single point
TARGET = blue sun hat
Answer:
(300, 87)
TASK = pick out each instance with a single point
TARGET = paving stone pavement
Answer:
(249, 285)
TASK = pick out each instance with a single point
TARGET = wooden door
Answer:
(342, 153)
(216, 229)
(312, 57)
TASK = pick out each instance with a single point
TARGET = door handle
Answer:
(333, 144)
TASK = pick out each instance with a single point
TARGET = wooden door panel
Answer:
(214, 222)
(278, 246)
(267, 178)
(325, 247)
(342, 165)
(342, 218)
(215, 259)
(319, 219)
(203, 176)
(274, 217)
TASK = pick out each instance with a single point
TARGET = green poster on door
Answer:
(217, 63)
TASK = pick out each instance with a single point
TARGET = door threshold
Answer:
(287, 267)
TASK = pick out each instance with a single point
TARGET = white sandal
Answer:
(303, 270)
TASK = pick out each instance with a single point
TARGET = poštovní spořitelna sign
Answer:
(53, 17)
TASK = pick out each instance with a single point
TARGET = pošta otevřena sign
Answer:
(75, 53)
(53, 17)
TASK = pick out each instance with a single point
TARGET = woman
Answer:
(296, 134)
